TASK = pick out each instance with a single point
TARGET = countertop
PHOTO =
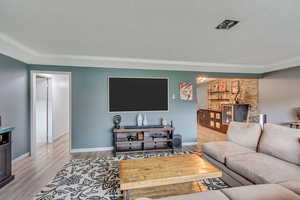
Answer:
(6, 129)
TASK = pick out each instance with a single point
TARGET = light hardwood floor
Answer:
(32, 173)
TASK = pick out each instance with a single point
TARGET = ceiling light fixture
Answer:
(227, 24)
(201, 79)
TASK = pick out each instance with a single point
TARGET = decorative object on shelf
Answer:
(140, 136)
(131, 138)
(117, 120)
(139, 119)
(177, 141)
(186, 91)
(235, 87)
(222, 87)
(164, 122)
(215, 87)
(236, 99)
(145, 121)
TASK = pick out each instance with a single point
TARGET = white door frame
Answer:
(33, 74)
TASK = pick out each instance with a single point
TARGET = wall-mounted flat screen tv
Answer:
(138, 94)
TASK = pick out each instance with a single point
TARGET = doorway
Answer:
(50, 109)
(43, 110)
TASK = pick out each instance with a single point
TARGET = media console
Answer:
(5, 156)
(134, 139)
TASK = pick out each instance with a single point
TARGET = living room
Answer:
(139, 84)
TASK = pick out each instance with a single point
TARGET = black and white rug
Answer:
(97, 179)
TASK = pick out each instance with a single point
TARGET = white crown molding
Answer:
(15, 49)
(130, 63)
(19, 51)
(284, 64)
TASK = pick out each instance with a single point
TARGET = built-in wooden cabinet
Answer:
(219, 120)
(211, 119)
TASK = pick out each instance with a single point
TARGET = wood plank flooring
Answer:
(32, 173)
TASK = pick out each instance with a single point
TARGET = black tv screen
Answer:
(138, 94)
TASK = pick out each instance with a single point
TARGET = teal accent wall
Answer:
(14, 103)
(91, 121)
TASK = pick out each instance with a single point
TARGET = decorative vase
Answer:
(145, 121)
(164, 122)
(139, 119)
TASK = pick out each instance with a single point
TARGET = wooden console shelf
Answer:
(143, 139)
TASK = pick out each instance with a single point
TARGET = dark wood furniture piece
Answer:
(143, 139)
(211, 119)
(5, 156)
(234, 112)
(295, 125)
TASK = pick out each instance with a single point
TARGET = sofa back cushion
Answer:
(281, 142)
(244, 134)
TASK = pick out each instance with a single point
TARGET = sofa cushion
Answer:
(281, 142)
(260, 192)
(261, 168)
(220, 150)
(244, 134)
(292, 185)
(211, 195)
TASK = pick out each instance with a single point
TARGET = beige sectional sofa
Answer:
(271, 155)
(258, 164)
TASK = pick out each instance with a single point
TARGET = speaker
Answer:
(177, 141)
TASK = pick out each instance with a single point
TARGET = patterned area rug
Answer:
(97, 179)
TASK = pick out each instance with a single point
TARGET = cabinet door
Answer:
(5, 169)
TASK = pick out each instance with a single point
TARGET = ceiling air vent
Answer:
(227, 24)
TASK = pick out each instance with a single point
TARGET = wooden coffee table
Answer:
(165, 176)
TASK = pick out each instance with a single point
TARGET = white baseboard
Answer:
(188, 143)
(111, 148)
(91, 149)
(21, 157)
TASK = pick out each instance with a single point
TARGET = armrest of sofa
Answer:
(292, 185)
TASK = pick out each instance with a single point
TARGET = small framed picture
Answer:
(235, 87)
(186, 91)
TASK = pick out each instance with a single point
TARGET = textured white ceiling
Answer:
(267, 37)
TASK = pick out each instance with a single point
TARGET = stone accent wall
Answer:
(248, 93)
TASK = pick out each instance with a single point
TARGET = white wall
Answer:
(60, 105)
(279, 95)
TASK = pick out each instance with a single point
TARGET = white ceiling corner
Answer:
(14, 49)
